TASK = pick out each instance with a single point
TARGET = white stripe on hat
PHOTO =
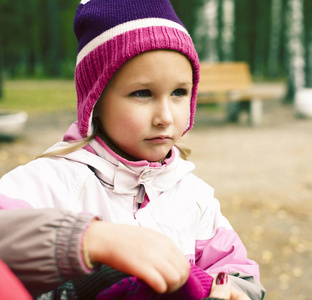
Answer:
(84, 1)
(122, 28)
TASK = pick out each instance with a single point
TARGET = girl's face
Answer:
(145, 107)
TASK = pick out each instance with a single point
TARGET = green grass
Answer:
(39, 96)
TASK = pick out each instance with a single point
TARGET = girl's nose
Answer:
(163, 115)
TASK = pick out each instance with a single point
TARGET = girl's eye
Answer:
(179, 92)
(141, 94)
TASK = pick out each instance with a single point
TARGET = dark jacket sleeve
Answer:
(43, 246)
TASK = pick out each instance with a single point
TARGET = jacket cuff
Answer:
(68, 249)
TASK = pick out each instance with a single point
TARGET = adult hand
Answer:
(141, 252)
(223, 289)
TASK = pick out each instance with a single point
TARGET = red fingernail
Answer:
(222, 278)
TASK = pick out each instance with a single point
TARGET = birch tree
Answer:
(206, 33)
(295, 47)
(227, 30)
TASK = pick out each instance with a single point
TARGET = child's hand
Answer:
(223, 289)
(140, 252)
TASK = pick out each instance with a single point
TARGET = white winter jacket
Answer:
(165, 197)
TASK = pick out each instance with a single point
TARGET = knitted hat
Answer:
(110, 32)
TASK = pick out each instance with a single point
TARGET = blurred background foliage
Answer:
(273, 36)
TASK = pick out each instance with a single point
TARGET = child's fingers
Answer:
(170, 264)
(175, 275)
(163, 277)
(237, 295)
(221, 287)
(155, 280)
(154, 258)
(166, 274)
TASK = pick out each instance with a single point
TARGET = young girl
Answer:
(136, 79)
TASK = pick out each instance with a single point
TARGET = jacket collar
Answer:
(128, 177)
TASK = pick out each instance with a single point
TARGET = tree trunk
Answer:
(308, 7)
(206, 34)
(295, 48)
(227, 30)
(275, 38)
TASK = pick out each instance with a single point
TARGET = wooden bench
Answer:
(231, 82)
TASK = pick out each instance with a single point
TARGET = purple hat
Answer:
(110, 32)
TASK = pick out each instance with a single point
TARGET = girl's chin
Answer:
(157, 158)
(152, 155)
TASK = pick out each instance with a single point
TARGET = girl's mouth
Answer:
(159, 139)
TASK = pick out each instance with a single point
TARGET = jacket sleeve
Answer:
(43, 246)
(219, 248)
(46, 183)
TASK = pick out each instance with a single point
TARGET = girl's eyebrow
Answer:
(186, 83)
(140, 83)
(149, 83)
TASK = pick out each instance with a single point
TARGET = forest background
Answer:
(273, 36)
(261, 175)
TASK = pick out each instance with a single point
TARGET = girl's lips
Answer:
(159, 139)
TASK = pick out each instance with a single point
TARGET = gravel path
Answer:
(262, 177)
